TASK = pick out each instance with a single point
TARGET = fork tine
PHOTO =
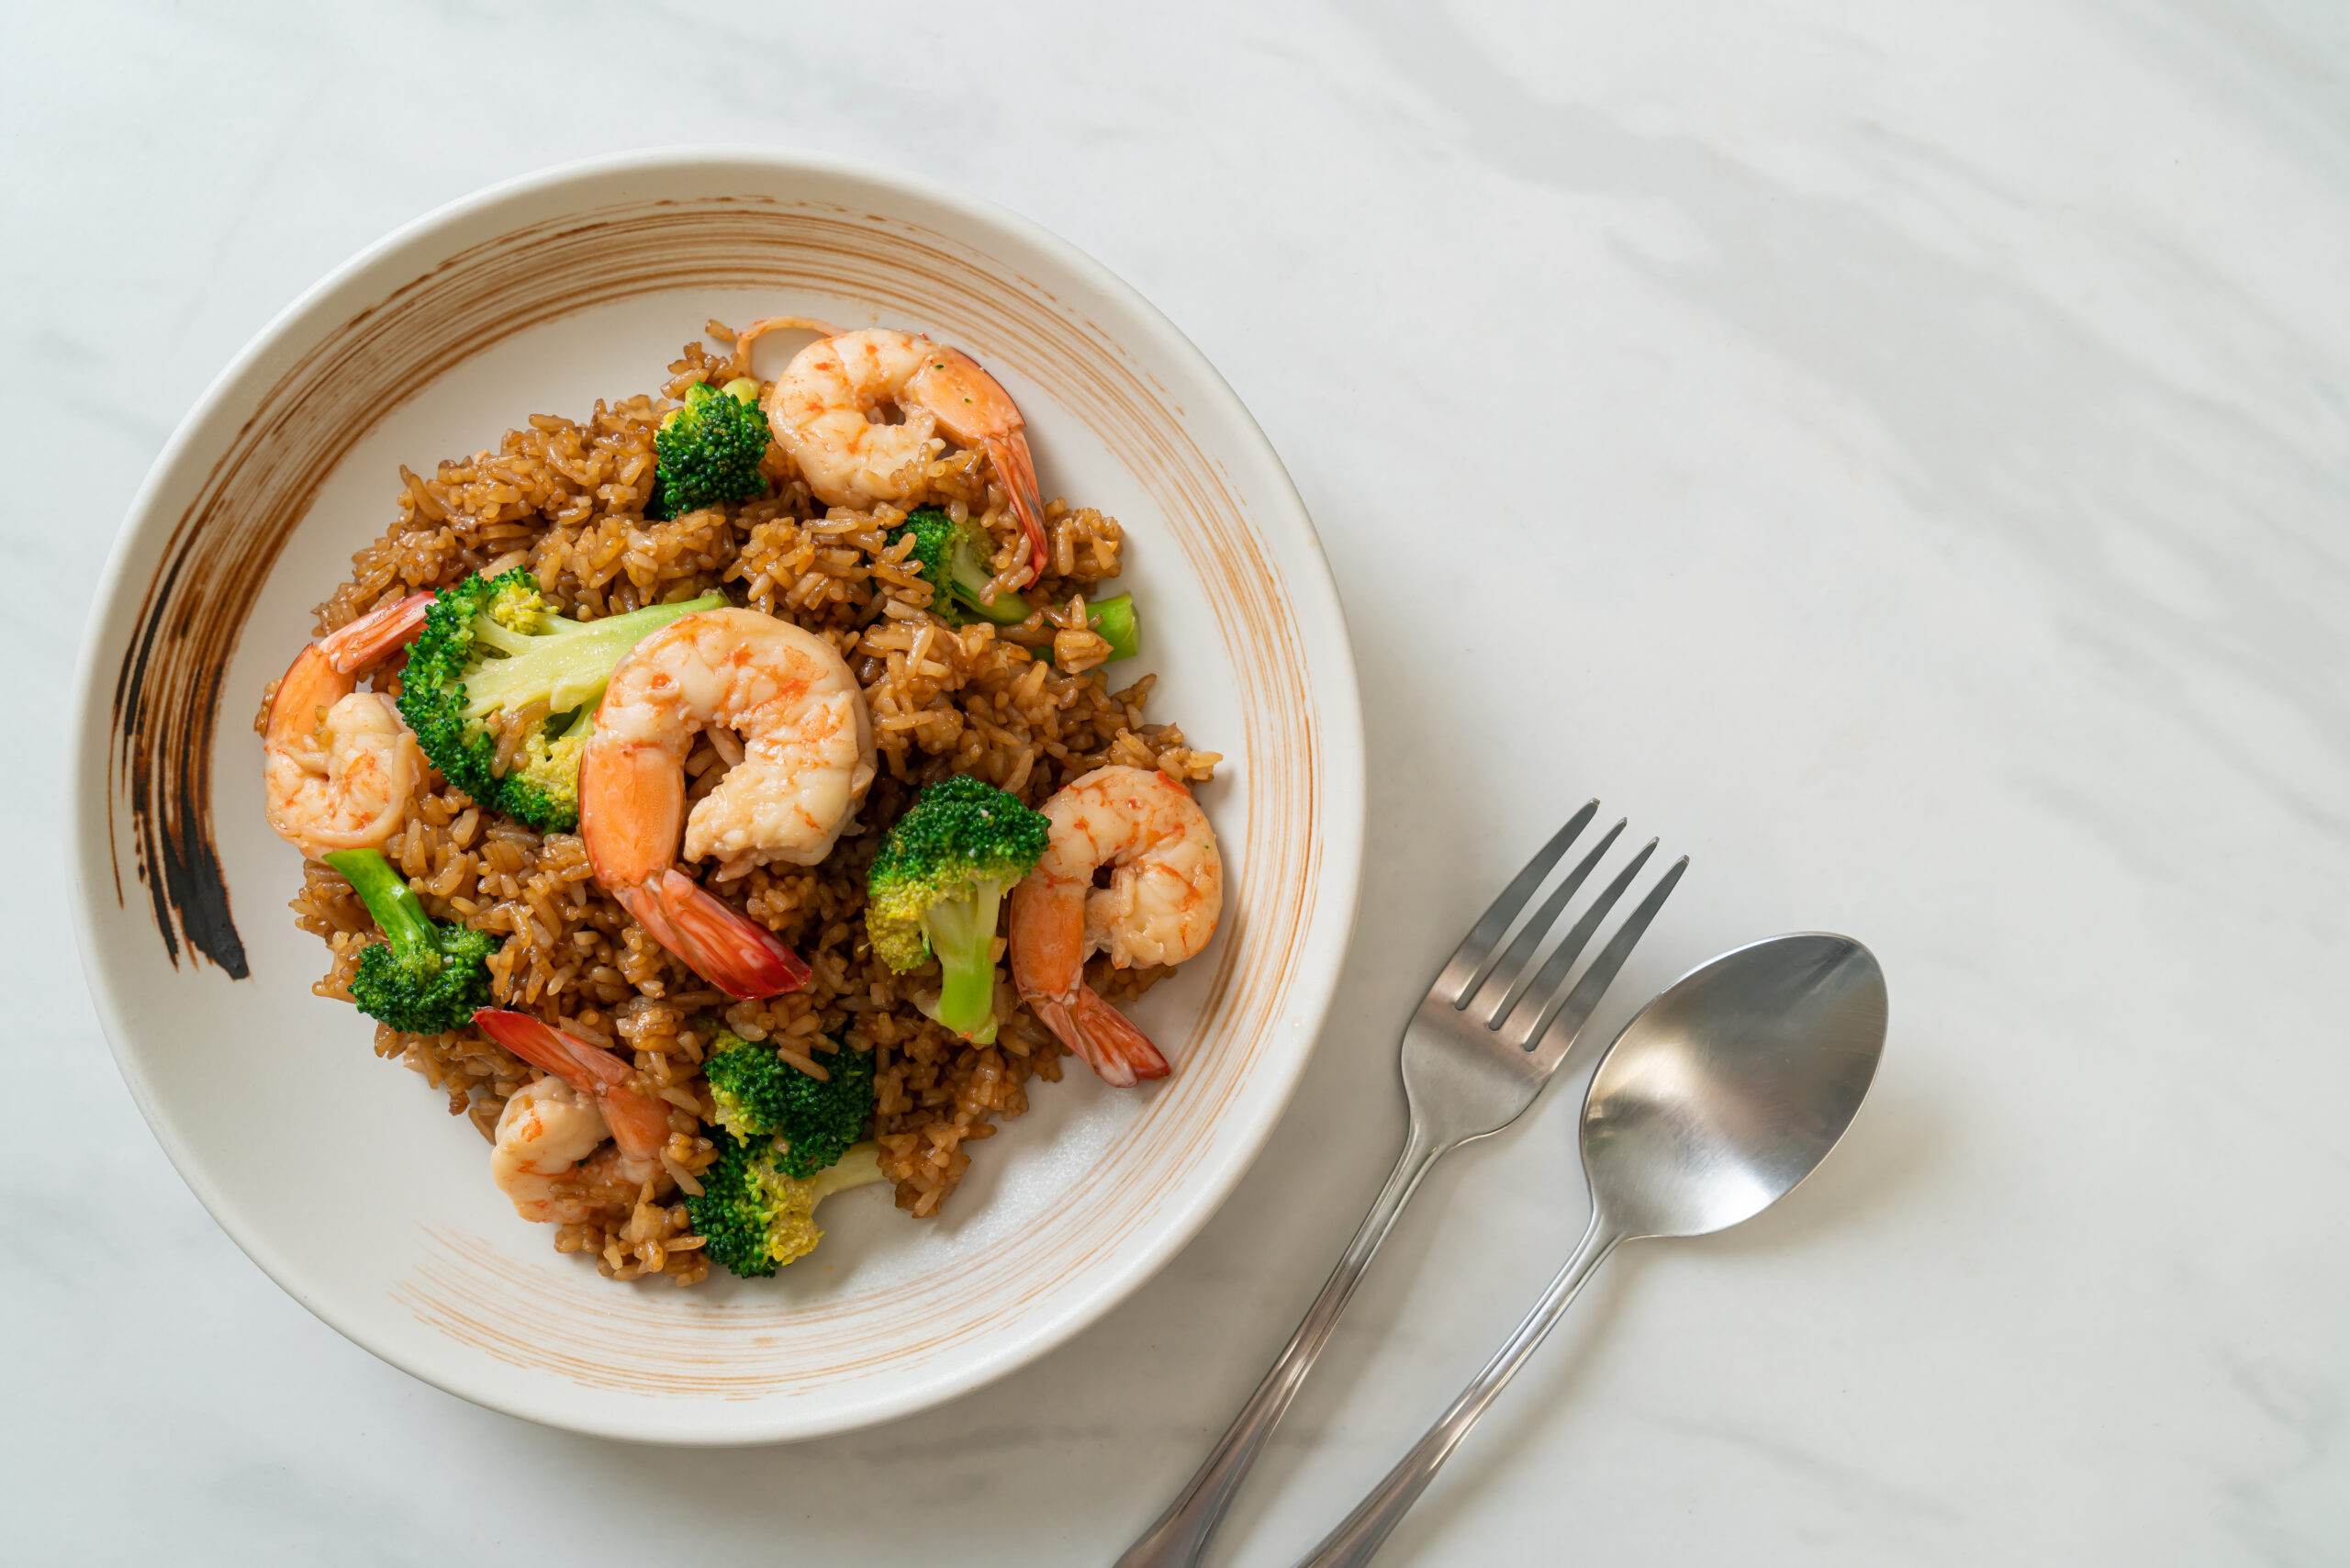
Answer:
(1517, 964)
(1548, 985)
(1471, 961)
(1571, 1019)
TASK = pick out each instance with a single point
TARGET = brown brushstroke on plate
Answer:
(549, 1313)
(169, 786)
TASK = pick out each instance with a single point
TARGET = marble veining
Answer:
(1898, 455)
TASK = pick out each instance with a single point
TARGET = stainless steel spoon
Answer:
(1724, 1093)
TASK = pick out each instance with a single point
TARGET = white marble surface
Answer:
(1907, 450)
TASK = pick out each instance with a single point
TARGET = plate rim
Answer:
(1340, 799)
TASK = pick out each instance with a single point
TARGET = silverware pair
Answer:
(1722, 1094)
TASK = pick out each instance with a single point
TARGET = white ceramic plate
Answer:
(339, 1174)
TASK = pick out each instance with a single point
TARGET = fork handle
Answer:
(1361, 1533)
(1180, 1538)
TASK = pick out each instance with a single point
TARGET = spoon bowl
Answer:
(1733, 1085)
(1716, 1099)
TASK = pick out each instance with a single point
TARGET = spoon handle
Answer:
(1362, 1532)
(1180, 1537)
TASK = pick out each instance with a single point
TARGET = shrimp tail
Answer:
(367, 641)
(638, 1122)
(1107, 1039)
(548, 1049)
(737, 955)
(1017, 469)
(784, 323)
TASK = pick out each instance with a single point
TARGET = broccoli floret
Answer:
(494, 645)
(955, 555)
(542, 784)
(708, 448)
(935, 886)
(425, 977)
(953, 558)
(516, 603)
(753, 1218)
(810, 1120)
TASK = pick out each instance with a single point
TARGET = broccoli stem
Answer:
(962, 933)
(971, 578)
(1119, 626)
(1008, 609)
(568, 668)
(389, 897)
(489, 633)
(1115, 620)
(967, 1000)
(858, 1166)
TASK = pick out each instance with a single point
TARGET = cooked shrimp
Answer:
(546, 1129)
(337, 762)
(821, 410)
(1166, 891)
(555, 1128)
(807, 741)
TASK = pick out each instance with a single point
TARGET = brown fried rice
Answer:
(569, 500)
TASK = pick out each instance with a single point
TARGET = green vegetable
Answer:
(425, 977)
(708, 449)
(493, 645)
(542, 784)
(1119, 626)
(953, 558)
(1114, 619)
(753, 1218)
(810, 1120)
(956, 555)
(935, 886)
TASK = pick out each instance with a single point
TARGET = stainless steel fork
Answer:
(1491, 1032)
